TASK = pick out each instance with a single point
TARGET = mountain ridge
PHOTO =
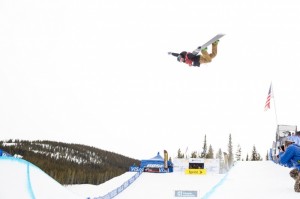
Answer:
(70, 163)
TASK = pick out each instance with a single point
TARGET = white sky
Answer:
(238, 183)
(97, 73)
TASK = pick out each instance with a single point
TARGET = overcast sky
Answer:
(97, 72)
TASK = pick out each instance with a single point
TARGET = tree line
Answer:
(71, 163)
(208, 153)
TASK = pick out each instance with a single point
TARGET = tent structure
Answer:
(156, 164)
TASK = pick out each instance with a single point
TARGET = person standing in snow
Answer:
(295, 138)
(196, 60)
(291, 158)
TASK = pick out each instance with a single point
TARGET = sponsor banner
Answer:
(180, 165)
(195, 171)
(163, 170)
(151, 170)
(155, 170)
(4, 154)
(155, 165)
(212, 165)
(196, 160)
(186, 193)
(134, 169)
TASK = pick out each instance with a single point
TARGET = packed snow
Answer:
(247, 179)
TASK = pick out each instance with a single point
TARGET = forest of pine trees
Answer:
(71, 163)
(208, 153)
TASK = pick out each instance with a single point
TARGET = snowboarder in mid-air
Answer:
(195, 60)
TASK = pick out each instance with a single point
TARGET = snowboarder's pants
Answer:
(205, 57)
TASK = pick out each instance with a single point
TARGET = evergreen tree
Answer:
(219, 155)
(238, 154)
(255, 156)
(267, 156)
(194, 154)
(259, 157)
(247, 157)
(179, 154)
(210, 154)
(204, 148)
(230, 153)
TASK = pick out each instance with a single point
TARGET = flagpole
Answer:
(274, 104)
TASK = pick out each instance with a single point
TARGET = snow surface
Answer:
(260, 179)
(21, 179)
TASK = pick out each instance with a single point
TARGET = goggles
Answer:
(180, 58)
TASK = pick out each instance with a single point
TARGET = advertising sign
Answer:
(186, 193)
(195, 171)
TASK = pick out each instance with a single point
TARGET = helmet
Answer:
(180, 58)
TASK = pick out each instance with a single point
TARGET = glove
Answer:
(169, 53)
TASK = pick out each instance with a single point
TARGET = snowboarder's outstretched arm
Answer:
(174, 54)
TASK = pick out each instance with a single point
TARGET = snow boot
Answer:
(294, 174)
(216, 42)
(204, 49)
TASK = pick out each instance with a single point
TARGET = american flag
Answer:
(270, 95)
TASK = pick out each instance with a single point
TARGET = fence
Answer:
(121, 188)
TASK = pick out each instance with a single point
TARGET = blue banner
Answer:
(4, 154)
(134, 169)
(121, 188)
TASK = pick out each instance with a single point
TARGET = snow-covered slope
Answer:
(21, 179)
(261, 179)
(257, 179)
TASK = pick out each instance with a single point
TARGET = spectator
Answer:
(291, 158)
(297, 138)
(294, 138)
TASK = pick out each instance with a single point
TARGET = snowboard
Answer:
(212, 40)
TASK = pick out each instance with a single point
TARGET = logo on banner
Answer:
(195, 171)
(185, 193)
(155, 165)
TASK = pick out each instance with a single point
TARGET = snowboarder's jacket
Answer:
(291, 156)
(189, 58)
